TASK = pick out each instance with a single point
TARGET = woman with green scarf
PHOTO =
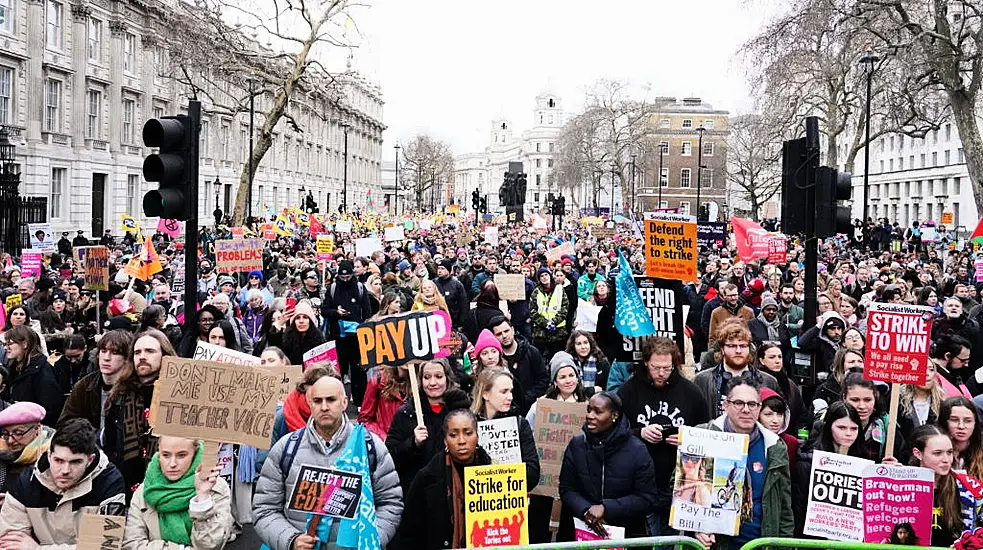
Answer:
(179, 504)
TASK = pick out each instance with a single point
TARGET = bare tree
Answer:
(755, 160)
(208, 53)
(426, 161)
(578, 155)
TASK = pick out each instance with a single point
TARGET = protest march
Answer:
(467, 383)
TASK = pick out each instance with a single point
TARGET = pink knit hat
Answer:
(486, 340)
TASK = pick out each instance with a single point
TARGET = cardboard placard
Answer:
(210, 352)
(897, 494)
(326, 492)
(708, 495)
(557, 422)
(835, 509)
(898, 338)
(399, 339)
(238, 255)
(325, 246)
(495, 505)
(289, 376)
(323, 353)
(663, 299)
(96, 267)
(500, 438)
(510, 287)
(464, 239)
(671, 247)
(601, 233)
(99, 531)
(587, 314)
(557, 252)
(215, 402)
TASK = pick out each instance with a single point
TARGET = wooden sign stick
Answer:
(415, 388)
(209, 455)
(892, 415)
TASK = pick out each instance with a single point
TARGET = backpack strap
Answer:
(287, 458)
(370, 450)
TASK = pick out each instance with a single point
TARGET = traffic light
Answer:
(475, 200)
(796, 167)
(560, 206)
(483, 207)
(832, 186)
(703, 213)
(173, 166)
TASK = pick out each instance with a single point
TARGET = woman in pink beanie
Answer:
(487, 352)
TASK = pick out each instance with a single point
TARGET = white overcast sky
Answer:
(448, 67)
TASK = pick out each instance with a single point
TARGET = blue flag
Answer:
(632, 317)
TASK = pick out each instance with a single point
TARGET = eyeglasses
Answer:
(962, 359)
(658, 369)
(16, 434)
(750, 405)
(206, 321)
(690, 458)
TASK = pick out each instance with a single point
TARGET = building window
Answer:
(708, 149)
(6, 15)
(129, 52)
(663, 124)
(132, 189)
(95, 40)
(922, 160)
(225, 142)
(687, 123)
(684, 177)
(535, 197)
(539, 163)
(129, 112)
(706, 177)
(203, 140)
(960, 158)
(935, 158)
(539, 180)
(54, 23)
(687, 148)
(92, 115)
(955, 185)
(6, 88)
(58, 176)
(549, 163)
(52, 101)
(948, 157)
(538, 146)
(664, 178)
(552, 147)
(708, 124)
(684, 208)
(948, 132)
(664, 146)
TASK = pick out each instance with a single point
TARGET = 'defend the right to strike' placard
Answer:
(898, 338)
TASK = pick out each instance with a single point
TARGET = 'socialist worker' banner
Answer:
(709, 489)
(898, 337)
(896, 497)
(557, 422)
(238, 255)
(495, 505)
(215, 401)
(399, 339)
(670, 246)
(835, 510)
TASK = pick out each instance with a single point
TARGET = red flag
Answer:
(977, 235)
(316, 227)
(752, 239)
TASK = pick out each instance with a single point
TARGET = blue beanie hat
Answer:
(257, 273)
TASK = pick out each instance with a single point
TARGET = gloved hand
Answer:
(550, 326)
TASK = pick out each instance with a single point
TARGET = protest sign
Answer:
(893, 495)
(145, 264)
(557, 422)
(171, 228)
(671, 247)
(30, 263)
(510, 287)
(100, 531)
(42, 237)
(583, 533)
(495, 506)
(500, 437)
(466, 238)
(324, 353)
(215, 402)
(365, 247)
(777, 250)
(835, 509)
(711, 234)
(559, 251)
(13, 301)
(898, 337)
(600, 233)
(663, 298)
(491, 235)
(947, 218)
(210, 352)
(325, 246)
(129, 224)
(587, 316)
(399, 339)
(978, 269)
(238, 255)
(226, 459)
(709, 489)
(343, 226)
(238, 232)
(395, 233)
(96, 268)
(289, 376)
(326, 492)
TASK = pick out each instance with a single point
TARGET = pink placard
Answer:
(171, 228)
(894, 495)
(30, 263)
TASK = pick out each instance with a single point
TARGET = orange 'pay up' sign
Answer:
(670, 247)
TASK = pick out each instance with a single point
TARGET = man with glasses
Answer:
(730, 308)
(656, 401)
(951, 354)
(735, 361)
(25, 438)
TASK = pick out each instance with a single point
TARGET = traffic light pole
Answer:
(811, 243)
(191, 225)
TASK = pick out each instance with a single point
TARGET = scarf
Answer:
(28, 455)
(432, 301)
(359, 532)
(171, 499)
(296, 410)
(589, 372)
(455, 500)
(772, 327)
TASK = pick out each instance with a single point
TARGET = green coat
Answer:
(776, 502)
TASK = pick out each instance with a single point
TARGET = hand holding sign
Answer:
(205, 480)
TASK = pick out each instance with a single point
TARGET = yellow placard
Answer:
(496, 505)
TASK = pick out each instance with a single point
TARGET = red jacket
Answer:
(377, 410)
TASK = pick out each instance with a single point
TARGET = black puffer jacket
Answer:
(36, 383)
(614, 470)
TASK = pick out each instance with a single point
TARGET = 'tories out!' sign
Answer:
(898, 337)
(401, 338)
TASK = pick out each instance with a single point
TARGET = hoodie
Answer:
(791, 441)
(815, 340)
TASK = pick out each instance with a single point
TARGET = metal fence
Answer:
(650, 542)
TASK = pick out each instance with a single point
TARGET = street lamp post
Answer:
(634, 191)
(218, 211)
(662, 155)
(9, 195)
(597, 190)
(252, 114)
(396, 182)
(869, 59)
(613, 185)
(699, 171)
(344, 185)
